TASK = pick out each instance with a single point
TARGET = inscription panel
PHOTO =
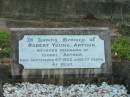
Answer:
(61, 51)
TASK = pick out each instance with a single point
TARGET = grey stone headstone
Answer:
(25, 70)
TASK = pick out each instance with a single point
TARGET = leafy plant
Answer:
(121, 47)
(5, 47)
(124, 29)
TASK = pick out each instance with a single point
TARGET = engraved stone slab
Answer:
(61, 51)
(53, 51)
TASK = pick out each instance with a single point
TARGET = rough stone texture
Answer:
(78, 90)
(64, 9)
(17, 70)
(121, 73)
(1, 88)
(5, 74)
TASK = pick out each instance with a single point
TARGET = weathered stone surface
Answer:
(17, 69)
(121, 73)
(64, 9)
(1, 92)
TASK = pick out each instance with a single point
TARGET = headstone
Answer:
(61, 52)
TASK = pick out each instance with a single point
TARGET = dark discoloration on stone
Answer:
(121, 73)
(62, 9)
(1, 89)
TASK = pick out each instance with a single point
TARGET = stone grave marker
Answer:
(65, 53)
